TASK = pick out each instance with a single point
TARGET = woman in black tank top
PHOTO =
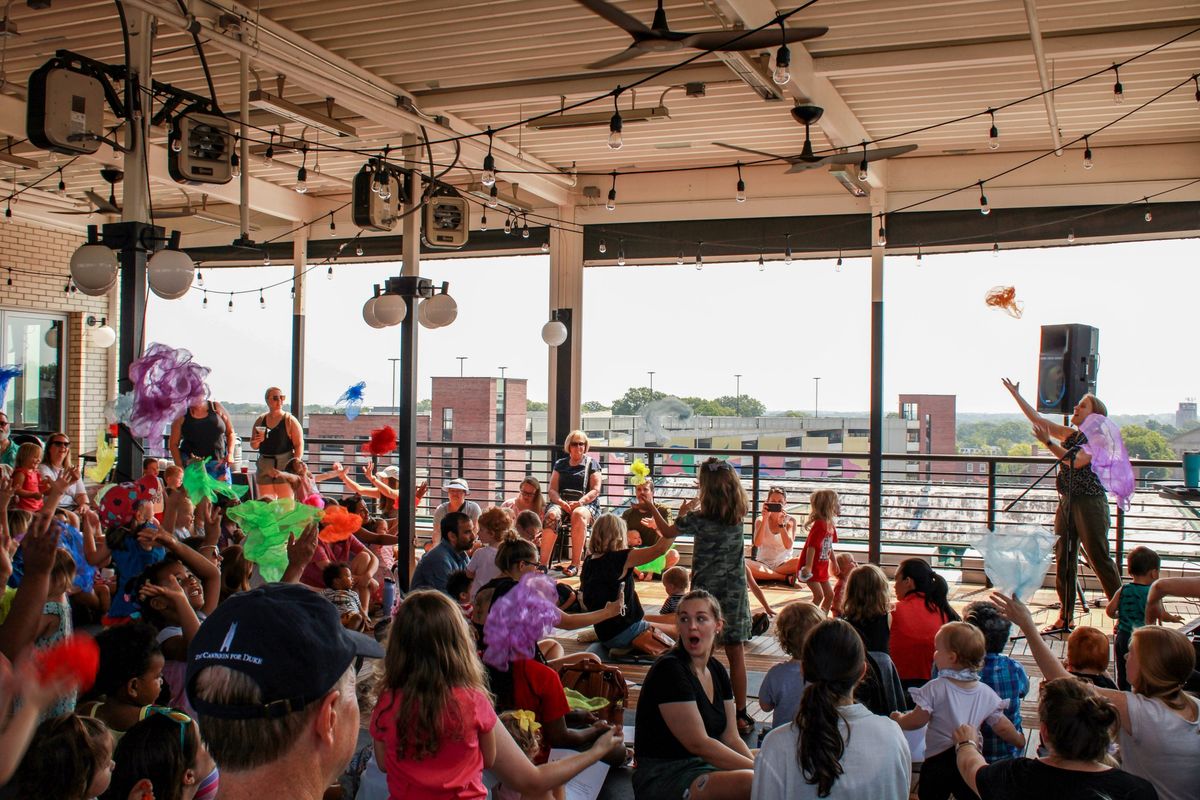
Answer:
(278, 438)
(204, 431)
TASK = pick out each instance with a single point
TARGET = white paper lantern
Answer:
(390, 309)
(104, 336)
(443, 310)
(368, 313)
(51, 337)
(554, 333)
(170, 274)
(94, 269)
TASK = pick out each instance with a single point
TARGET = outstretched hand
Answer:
(1016, 611)
(1157, 614)
(1014, 387)
(300, 551)
(39, 546)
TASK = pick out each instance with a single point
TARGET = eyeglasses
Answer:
(60, 443)
(277, 397)
(178, 716)
(3, 423)
(528, 493)
(577, 444)
(533, 564)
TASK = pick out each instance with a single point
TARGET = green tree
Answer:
(633, 399)
(1019, 449)
(592, 406)
(1168, 431)
(1141, 442)
(749, 406)
(993, 434)
(708, 408)
(536, 405)
(424, 406)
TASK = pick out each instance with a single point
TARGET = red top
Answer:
(911, 644)
(328, 553)
(821, 537)
(455, 772)
(538, 688)
(27, 480)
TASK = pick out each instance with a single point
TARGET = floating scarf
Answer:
(1110, 459)
(76, 657)
(1005, 298)
(268, 526)
(519, 619)
(526, 720)
(1015, 558)
(7, 373)
(165, 382)
(382, 441)
(106, 456)
(339, 524)
(351, 400)
(201, 486)
(638, 472)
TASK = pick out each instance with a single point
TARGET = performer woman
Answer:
(1078, 490)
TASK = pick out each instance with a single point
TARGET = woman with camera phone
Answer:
(774, 537)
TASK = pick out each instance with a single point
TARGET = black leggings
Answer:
(940, 778)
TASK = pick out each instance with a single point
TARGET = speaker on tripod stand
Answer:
(1067, 366)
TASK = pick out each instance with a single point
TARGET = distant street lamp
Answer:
(651, 374)
(816, 397)
(394, 361)
(502, 372)
(737, 401)
(461, 361)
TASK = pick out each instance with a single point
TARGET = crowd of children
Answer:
(152, 575)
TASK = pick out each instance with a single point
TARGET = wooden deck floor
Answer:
(764, 651)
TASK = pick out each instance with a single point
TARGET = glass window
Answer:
(447, 424)
(908, 410)
(37, 343)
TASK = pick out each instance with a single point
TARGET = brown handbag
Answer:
(653, 642)
(593, 679)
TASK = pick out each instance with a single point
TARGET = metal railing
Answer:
(932, 503)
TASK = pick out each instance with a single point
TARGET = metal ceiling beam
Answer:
(1116, 44)
(838, 122)
(265, 197)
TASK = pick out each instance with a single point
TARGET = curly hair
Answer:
(793, 625)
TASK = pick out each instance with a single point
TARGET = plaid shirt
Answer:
(1007, 678)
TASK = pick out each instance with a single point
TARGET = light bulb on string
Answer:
(1070, 237)
(621, 253)
(783, 59)
(545, 247)
(293, 291)
(262, 301)
(508, 223)
(920, 255)
(699, 256)
(524, 227)
(1087, 153)
(993, 132)
(678, 261)
(329, 272)
(740, 196)
(1147, 216)
(62, 185)
(488, 178)
(995, 249)
(302, 179)
(762, 264)
(615, 125)
(332, 226)
(1196, 78)
(838, 266)
(235, 165)
(493, 200)
(1118, 88)
(787, 250)
(483, 221)
(10, 282)
(603, 248)
(358, 250)
(8, 211)
(882, 230)
(385, 187)
(266, 259)
(230, 307)
(204, 302)
(984, 208)
(863, 174)
(611, 205)
(269, 153)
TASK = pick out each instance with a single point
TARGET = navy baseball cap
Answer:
(285, 637)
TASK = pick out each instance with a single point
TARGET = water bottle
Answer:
(389, 596)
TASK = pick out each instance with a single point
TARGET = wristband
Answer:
(961, 745)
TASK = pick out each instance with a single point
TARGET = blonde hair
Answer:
(430, 652)
(966, 642)
(867, 594)
(63, 570)
(1165, 660)
(609, 534)
(526, 738)
(793, 624)
(27, 451)
(587, 445)
(498, 523)
(721, 495)
(823, 505)
(1098, 407)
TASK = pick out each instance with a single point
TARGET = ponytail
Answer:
(931, 586)
(833, 665)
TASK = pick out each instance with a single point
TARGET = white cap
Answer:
(392, 472)
(457, 483)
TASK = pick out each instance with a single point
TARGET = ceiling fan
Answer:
(658, 38)
(112, 176)
(806, 114)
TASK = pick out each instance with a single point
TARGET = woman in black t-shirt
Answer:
(574, 493)
(608, 573)
(1078, 725)
(687, 739)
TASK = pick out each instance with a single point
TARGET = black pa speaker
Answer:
(1067, 366)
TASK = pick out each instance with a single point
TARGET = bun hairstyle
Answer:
(930, 585)
(832, 662)
(1079, 723)
(512, 552)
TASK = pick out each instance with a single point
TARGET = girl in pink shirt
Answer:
(26, 482)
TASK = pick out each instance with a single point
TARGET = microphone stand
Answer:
(1072, 588)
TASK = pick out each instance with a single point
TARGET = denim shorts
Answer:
(624, 639)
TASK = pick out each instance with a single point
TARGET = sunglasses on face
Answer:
(578, 444)
(60, 444)
(277, 397)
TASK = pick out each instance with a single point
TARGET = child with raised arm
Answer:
(1128, 605)
(955, 697)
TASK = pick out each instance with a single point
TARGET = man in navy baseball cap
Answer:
(271, 677)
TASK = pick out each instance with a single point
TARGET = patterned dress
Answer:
(719, 567)
(60, 609)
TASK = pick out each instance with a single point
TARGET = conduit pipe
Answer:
(1039, 56)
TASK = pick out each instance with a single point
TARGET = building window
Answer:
(447, 424)
(908, 410)
(38, 343)
(703, 444)
(794, 441)
(970, 466)
(749, 444)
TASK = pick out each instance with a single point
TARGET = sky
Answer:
(779, 327)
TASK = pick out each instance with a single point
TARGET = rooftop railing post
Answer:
(875, 470)
(991, 495)
(1120, 537)
(754, 489)
(460, 461)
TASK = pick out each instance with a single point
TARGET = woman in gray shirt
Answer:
(836, 747)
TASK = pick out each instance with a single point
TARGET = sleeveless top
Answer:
(277, 441)
(1081, 481)
(202, 438)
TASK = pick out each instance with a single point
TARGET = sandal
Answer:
(1059, 626)
(570, 571)
(745, 724)
(761, 623)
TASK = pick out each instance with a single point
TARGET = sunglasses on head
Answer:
(178, 716)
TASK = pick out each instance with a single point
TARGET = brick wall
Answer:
(28, 248)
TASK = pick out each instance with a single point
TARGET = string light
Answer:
(679, 259)
(699, 256)
(984, 208)
(488, 178)
(994, 132)
(10, 283)
(524, 227)
(230, 307)
(62, 185)
(615, 140)
(995, 249)
(204, 302)
(235, 163)
(358, 251)
(266, 259)
(919, 255)
(269, 153)
(8, 211)
(603, 248)
(1118, 89)
(611, 205)
(783, 59)
(332, 225)
(838, 265)
(787, 250)
(1071, 237)
(883, 230)
(621, 253)
(200, 279)
(293, 292)
(508, 223)
(262, 301)
(862, 166)
(329, 273)
(1196, 78)
(483, 221)
(1087, 153)
(741, 185)
(493, 197)
(1147, 216)
(302, 175)
(762, 264)
(545, 247)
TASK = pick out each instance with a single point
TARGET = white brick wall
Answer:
(47, 252)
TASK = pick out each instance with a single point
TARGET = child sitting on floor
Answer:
(955, 697)
(843, 566)
(70, 758)
(529, 526)
(1006, 677)
(458, 586)
(130, 676)
(524, 730)
(1128, 605)
(339, 590)
(675, 581)
(783, 685)
(1087, 656)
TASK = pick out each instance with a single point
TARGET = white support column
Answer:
(566, 294)
(300, 281)
(875, 462)
(410, 226)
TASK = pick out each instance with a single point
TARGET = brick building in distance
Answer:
(937, 432)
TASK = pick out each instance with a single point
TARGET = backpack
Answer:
(592, 679)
